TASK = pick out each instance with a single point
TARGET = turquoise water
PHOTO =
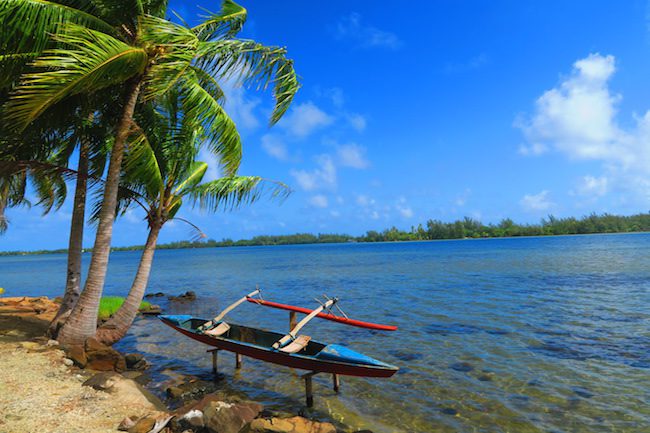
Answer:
(504, 335)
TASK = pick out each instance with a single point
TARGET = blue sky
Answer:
(431, 110)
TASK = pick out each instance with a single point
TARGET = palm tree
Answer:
(160, 173)
(131, 45)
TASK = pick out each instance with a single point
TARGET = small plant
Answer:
(108, 305)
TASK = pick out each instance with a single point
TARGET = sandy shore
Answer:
(39, 392)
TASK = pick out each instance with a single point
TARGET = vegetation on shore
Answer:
(108, 305)
(432, 230)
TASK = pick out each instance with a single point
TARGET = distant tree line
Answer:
(431, 230)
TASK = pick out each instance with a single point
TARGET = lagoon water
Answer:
(503, 335)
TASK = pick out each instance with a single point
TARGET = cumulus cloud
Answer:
(305, 118)
(352, 28)
(357, 121)
(405, 211)
(578, 119)
(536, 202)
(319, 201)
(591, 186)
(323, 177)
(275, 147)
(352, 155)
(240, 106)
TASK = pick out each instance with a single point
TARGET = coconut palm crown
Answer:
(81, 47)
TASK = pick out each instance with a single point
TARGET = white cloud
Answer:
(461, 200)
(305, 118)
(405, 211)
(364, 200)
(213, 172)
(365, 36)
(319, 200)
(324, 176)
(536, 202)
(591, 186)
(352, 155)
(275, 147)
(534, 149)
(578, 119)
(357, 121)
(240, 107)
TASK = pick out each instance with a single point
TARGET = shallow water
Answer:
(504, 335)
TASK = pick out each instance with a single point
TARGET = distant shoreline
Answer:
(201, 245)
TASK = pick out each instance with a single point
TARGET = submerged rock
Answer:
(154, 295)
(296, 424)
(153, 310)
(190, 295)
(463, 367)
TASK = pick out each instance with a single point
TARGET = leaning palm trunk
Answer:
(118, 325)
(75, 245)
(82, 322)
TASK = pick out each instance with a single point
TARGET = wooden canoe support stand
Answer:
(309, 387)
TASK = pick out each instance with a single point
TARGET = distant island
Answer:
(432, 230)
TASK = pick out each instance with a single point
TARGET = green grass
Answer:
(108, 305)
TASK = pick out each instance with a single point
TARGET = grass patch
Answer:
(108, 305)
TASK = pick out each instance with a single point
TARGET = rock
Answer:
(190, 295)
(103, 358)
(143, 425)
(127, 423)
(153, 310)
(154, 295)
(68, 362)
(78, 355)
(135, 361)
(296, 424)
(174, 392)
(224, 417)
(51, 343)
(213, 414)
(127, 391)
(103, 381)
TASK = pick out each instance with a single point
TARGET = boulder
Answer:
(224, 417)
(103, 358)
(135, 361)
(78, 355)
(213, 414)
(296, 424)
(154, 295)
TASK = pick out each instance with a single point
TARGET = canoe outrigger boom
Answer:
(229, 308)
(292, 334)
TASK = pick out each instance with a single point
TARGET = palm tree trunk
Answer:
(82, 322)
(75, 244)
(118, 325)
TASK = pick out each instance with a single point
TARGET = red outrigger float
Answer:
(329, 315)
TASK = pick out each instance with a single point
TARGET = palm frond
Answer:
(198, 104)
(252, 64)
(29, 24)
(141, 164)
(93, 61)
(194, 176)
(227, 23)
(231, 192)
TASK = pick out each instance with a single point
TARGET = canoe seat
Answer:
(218, 330)
(296, 345)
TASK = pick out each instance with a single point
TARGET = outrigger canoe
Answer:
(291, 350)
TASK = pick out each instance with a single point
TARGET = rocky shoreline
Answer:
(95, 388)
